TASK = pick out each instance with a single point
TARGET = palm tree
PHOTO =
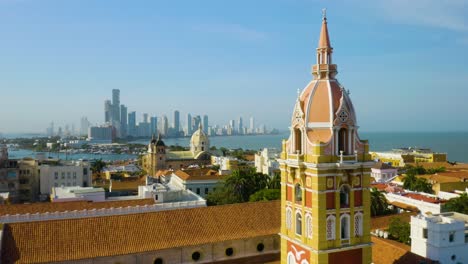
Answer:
(379, 203)
(98, 166)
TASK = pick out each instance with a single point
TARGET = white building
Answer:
(383, 172)
(265, 161)
(199, 181)
(441, 237)
(56, 173)
(75, 193)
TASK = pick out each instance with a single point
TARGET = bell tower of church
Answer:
(325, 173)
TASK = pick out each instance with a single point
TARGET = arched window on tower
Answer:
(298, 193)
(331, 227)
(343, 141)
(344, 196)
(358, 224)
(344, 227)
(288, 218)
(297, 141)
(298, 223)
(308, 227)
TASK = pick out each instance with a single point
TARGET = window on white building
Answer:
(425, 233)
(331, 227)
(451, 237)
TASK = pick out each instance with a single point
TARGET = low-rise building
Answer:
(402, 156)
(265, 161)
(56, 173)
(440, 237)
(101, 134)
(383, 172)
(125, 171)
(75, 193)
(199, 181)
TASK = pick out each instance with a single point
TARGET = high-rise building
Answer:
(50, 130)
(189, 124)
(84, 125)
(132, 130)
(165, 125)
(123, 121)
(240, 126)
(205, 124)
(107, 111)
(116, 105)
(176, 122)
(325, 174)
(252, 125)
(232, 124)
(154, 125)
(196, 120)
(145, 118)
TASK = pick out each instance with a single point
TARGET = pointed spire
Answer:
(200, 126)
(324, 41)
(152, 137)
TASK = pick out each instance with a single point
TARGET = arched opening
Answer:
(288, 218)
(331, 228)
(345, 227)
(298, 193)
(358, 225)
(343, 141)
(298, 223)
(297, 141)
(344, 196)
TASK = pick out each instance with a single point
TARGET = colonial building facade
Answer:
(325, 174)
(160, 158)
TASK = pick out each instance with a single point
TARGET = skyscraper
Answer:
(107, 111)
(176, 122)
(240, 126)
(154, 125)
(145, 118)
(165, 125)
(84, 125)
(123, 121)
(205, 124)
(116, 105)
(132, 124)
(252, 125)
(232, 125)
(189, 124)
(196, 120)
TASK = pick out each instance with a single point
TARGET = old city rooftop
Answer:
(75, 239)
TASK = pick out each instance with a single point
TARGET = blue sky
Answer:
(405, 62)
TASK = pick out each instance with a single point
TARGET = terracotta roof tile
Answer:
(74, 239)
(386, 251)
(13, 209)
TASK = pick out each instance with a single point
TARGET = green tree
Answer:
(97, 166)
(422, 185)
(266, 195)
(399, 230)
(238, 187)
(379, 204)
(275, 181)
(409, 180)
(459, 204)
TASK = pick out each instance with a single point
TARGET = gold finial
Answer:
(324, 14)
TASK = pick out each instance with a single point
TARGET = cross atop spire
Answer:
(324, 41)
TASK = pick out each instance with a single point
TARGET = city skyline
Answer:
(201, 58)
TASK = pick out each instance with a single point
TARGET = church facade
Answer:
(325, 173)
(159, 157)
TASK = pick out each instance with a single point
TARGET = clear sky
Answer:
(405, 62)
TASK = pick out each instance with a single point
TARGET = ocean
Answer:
(453, 143)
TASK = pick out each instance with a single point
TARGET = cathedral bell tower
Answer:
(325, 173)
